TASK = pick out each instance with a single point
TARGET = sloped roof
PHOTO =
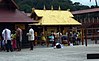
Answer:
(86, 11)
(55, 17)
(53, 12)
(15, 4)
(14, 16)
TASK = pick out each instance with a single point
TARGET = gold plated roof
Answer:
(55, 17)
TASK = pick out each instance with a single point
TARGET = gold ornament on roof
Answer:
(59, 8)
(68, 9)
(44, 7)
(33, 10)
(51, 7)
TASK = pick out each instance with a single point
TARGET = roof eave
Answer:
(17, 7)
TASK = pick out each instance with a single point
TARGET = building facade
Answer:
(90, 20)
(11, 17)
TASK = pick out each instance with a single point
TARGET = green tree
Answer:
(39, 4)
(79, 6)
(25, 8)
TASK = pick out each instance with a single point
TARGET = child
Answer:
(3, 45)
(43, 39)
(13, 35)
(52, 39)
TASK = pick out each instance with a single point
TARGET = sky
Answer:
(86, 2)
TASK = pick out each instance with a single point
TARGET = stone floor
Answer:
(68, 53)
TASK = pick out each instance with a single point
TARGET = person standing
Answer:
(7, 38)
(43, 39)
(19, 38)
(13, 36)
(31, 37)
(52, 39)
(59, 35)
(78, 38)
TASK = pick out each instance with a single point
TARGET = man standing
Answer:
(7, 38)
(31, 37)
(19, 38)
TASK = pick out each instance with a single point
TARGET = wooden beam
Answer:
(85, 36)
(82, 36)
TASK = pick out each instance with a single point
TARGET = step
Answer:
(93, 56)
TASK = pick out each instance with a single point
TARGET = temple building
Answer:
(53, 20)
(90, 20)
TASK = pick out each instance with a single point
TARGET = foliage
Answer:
(25, 8)
(26, 5)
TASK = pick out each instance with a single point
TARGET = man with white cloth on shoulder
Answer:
(6, 34)
(31, 37)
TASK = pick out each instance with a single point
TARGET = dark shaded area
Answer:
(93, 56)
(8, 4)
(26, 5)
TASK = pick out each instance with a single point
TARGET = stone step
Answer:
(93, 56)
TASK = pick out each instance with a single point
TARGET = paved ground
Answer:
(69, 53)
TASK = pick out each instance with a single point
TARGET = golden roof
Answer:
(53, 12)
(55, 17)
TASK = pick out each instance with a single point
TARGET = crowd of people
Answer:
(12, 40)
(74, 38)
